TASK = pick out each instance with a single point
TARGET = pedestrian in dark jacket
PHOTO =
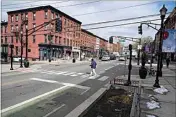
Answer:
(93, 67)
(167, 61)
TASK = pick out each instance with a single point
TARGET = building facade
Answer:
(38, 25)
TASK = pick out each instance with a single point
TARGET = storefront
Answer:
(4, 52)
(76, 52)
(53, 51)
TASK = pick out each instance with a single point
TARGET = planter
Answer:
(142, 72)
(26, 63)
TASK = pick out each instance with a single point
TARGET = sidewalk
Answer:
(5, 68)
(166, 101)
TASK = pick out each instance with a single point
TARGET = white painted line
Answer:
(47, 115)
(43, 80)
(84, 91)
(83, 106)
(74, 75)
(101, 72)
(93, 77)
(80, 73)
(103, 78)
(31, 100)
(62, 72)
(69, 73)
(66, 84)
(85, 76)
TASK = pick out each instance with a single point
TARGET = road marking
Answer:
(80, 73)
(84, 91)
(74, 75)
(43, 80)
(31, 100)
(69, 73)
(103, 78)
(47, 115)
(85, 76)
(61, 73)
(62, 83)
(93, 77)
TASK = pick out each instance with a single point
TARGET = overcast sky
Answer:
(116, 10)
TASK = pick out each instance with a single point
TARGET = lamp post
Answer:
(21, 65)
(159, 65)
(11, 55)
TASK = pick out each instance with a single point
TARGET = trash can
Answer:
(74, 60)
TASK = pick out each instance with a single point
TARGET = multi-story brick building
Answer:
(170, 23)
(71, 41)
(38, 41)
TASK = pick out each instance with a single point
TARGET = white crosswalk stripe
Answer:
(93, 77)
(103, 78)
(69, 73)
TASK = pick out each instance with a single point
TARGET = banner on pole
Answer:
(169, 41)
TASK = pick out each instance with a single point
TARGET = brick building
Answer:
(170, 23)
(38, 41)
(72, 41)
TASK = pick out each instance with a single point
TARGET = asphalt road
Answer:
(37, 92)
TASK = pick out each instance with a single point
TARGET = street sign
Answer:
(139, 47)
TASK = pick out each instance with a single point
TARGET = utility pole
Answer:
(139, 51)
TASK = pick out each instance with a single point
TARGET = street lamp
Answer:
(159, 65)
(11, 55)
(21, 65)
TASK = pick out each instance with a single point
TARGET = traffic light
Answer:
(140, 29)
(58, 25)
(111, 39)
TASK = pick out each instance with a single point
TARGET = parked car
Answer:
(122, 58)
(112, 57)
(105, 58)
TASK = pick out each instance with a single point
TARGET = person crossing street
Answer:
(93, 67)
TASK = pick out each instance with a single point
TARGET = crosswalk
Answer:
(67, 73)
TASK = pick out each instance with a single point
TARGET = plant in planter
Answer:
(26, 63)
(143, 69)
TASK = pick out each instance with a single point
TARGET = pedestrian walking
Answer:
(93, 67)
(167, 61)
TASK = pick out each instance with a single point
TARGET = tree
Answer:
(144, 40)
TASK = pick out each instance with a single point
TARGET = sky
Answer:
(115, 10)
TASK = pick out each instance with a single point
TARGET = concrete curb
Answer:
(84, 107)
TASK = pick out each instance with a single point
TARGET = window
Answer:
(26, 16)
(11, 28)
(56, 39)
(65, 21)
(71, 42)
(16, 18)
(16, 49)
(1, 29)
(11, 39)
(5, 39)
(16, 27)
(64, 41)
(5, 29)
(52, 15)
(46, 26)
(34, 15)
(68, 42)
(26, 26)
(1, 39)
(59, 40)
(46, 14)
(45, 38)
(34, 26)
(52, 25)
(21, 16)
(16, 39)
(12, 18)
(33, 38)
